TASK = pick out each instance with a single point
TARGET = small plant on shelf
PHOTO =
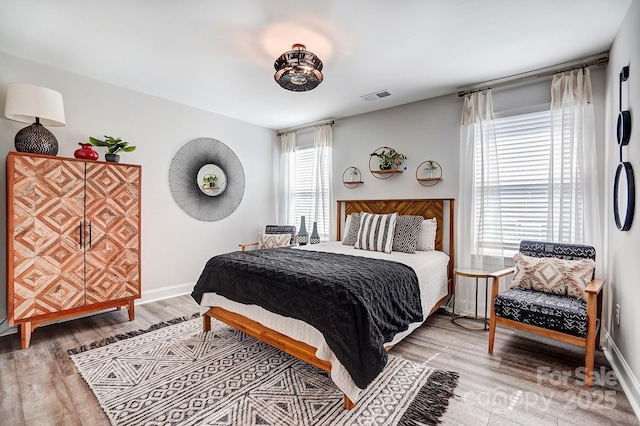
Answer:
(430, 168)
(114, 146)
(209, 181)
(389, 158)
(354, 174)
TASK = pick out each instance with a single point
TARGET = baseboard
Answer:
(628, 381)
(165, 292)
(147, 297)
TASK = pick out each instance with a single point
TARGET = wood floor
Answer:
(521, 383)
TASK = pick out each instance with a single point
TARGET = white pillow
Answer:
(266, 241)
(427, 237)
(376, 232)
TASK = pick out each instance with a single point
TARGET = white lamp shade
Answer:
(25, 102)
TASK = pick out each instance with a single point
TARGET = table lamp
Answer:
(38, 105)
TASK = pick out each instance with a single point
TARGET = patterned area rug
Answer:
(178, 375)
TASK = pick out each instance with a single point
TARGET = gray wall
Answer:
(175, 246)
(623, 268)
(430, 130)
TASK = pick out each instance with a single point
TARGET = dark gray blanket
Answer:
(355, 302)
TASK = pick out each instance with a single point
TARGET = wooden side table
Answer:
(476, 273)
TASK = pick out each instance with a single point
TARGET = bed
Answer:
(279, 328)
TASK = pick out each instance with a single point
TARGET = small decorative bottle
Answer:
(303, 236)
(86, 152)
(315, 238)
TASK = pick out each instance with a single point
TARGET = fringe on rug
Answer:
(432, 400)
(130, 334)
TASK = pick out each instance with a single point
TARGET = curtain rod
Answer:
(603, 59)
(306, 126)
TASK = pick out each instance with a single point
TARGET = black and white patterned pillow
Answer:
(351, 233)
(405, 235)
(376, 232)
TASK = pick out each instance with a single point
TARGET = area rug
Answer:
(178, 375)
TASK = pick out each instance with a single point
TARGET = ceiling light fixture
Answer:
(298, 69)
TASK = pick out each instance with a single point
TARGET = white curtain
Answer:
(323, 146)
(478, 219)
(285, 182)
(573, 212)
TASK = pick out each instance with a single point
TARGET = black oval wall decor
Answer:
(624, 171)
(623, 130)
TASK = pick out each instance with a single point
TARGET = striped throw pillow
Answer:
(376, 232)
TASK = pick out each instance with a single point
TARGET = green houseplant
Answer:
(114, 146)
(354, 174)
(389, 158)
(430, 168)
(209, 181)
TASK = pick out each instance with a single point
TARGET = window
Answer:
(304, 199)
(523, 145)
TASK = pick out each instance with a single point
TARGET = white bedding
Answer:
(429, 266)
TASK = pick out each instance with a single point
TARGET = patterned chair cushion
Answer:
(281, 229)
(559, 250)
(551, 311)
(266, 241)
(553, 275)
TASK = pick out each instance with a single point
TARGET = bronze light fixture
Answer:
(298, 69)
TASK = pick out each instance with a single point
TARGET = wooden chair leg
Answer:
(492, 332)
(492, 320)
(590, 343)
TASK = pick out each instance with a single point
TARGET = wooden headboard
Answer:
(427, 208)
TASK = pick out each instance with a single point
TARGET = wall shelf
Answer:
(384, 172)
(349, 174)
(387, 172)
(429, 173)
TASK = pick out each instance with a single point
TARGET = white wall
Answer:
(623, 277)
(175, 246)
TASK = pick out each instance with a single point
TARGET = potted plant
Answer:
(114, 146)
(389, 158)
(209, 181)
(354, 174)
(430, 168)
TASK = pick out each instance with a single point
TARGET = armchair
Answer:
(563, 317)
(275, 229)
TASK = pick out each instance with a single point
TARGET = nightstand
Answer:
(476, 273)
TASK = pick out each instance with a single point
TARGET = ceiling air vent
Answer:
(377, 95)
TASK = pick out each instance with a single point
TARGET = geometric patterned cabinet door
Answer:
(113, 217)
(73, 240)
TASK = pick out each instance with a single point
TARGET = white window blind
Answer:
(303, 198)
(523, 144)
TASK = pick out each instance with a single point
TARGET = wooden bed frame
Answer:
(428, 208)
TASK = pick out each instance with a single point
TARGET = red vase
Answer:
(86, 152)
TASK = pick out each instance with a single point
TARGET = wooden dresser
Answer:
(73, 238)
